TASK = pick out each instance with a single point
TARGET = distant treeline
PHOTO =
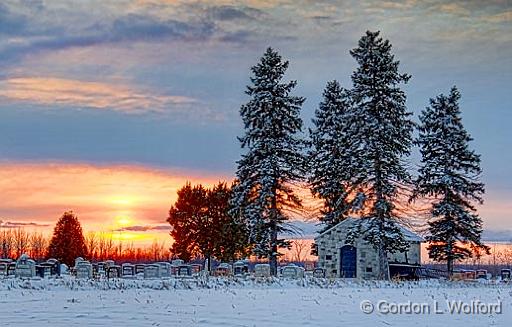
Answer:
(100, 246)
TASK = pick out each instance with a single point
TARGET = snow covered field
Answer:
(242, 303)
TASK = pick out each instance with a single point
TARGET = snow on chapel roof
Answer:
(408, 234)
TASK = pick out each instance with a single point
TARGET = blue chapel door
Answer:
(348, 264)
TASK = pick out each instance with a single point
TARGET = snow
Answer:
(228, 302)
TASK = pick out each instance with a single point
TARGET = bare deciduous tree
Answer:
(157, 251)
(6, 243)
(91, 241)
(38, 245)
(300, 248)
(21, 242)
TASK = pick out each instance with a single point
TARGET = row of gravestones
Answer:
(25, 267)
(84, 269)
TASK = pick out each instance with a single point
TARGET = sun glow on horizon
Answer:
(122, 200)
(123, 221)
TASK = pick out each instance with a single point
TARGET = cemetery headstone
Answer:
(113, 271)
(293, 272)
(152, 271)
(25, 267)
(165, 269)
(139, 269)
(240, 268)
(319, 273)
(262, 270)
(128, 270)
(184, 270)
(84, 270)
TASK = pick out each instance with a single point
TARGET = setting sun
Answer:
(123, 220)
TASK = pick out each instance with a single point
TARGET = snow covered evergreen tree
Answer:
(273, 157)
(384, 132)
(333, 154)
(449, 176)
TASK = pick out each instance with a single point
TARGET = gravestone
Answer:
(152, 271)
(64, 269)
(113, 271)
(292, 271)
(223, 269)
(100, 269)
(184, 270)
(165, 269)
(196, 268)
(139, 269)
(43, 270)
(84, 270)
(11, 269)
(128, 270)
(3, 269)
(505, 274)
(55, 266)
(175, 266)
(25, 267)
(319, 273)
(262, 270)
(240, 268)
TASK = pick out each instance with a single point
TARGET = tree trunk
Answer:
(449, 264)
(449, 260)
(381, 215)
(383, 263)
(273, 237)
(273, 255)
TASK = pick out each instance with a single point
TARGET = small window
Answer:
(328, 257)
(369, 269)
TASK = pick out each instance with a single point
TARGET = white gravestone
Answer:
(128, 270)
(84, 270)
(25, 267)
(262, 270)
(293, 272)
(165, 269)
(152, 271)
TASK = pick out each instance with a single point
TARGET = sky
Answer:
(108, 107)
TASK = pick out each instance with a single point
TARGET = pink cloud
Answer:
(96, 95)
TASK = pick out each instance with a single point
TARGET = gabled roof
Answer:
(408, 234)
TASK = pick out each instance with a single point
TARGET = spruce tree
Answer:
(67, 242)
(333, 154)
(273, 157)
(449, 177)
(384, 133)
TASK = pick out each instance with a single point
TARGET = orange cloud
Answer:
(504, 17)
(453, 9)
(58, 91)
(105, 198)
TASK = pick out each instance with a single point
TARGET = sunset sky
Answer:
(107, 107)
